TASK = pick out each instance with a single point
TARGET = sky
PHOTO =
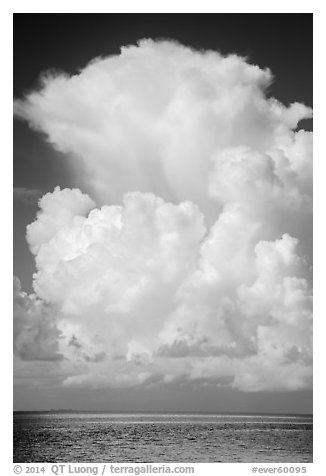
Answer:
(163, 212)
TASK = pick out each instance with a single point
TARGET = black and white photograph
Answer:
(162, 238)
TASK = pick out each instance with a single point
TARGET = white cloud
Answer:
(35, 334)
(159, 111)
(196, 264)
(57, 210)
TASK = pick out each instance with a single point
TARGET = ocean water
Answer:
(156, 438)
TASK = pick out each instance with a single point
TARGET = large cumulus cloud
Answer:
(194, 260)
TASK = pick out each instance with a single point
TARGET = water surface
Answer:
(150, 438)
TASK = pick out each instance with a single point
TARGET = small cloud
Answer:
(97, 357)
(74, 342)
(28, 196)
(36, 336)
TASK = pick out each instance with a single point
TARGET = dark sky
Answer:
(282, 42)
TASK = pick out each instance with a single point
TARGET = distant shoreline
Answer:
(66, 411)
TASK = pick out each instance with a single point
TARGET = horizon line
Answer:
(139, 412)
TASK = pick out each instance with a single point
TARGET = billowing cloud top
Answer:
(195, 261)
